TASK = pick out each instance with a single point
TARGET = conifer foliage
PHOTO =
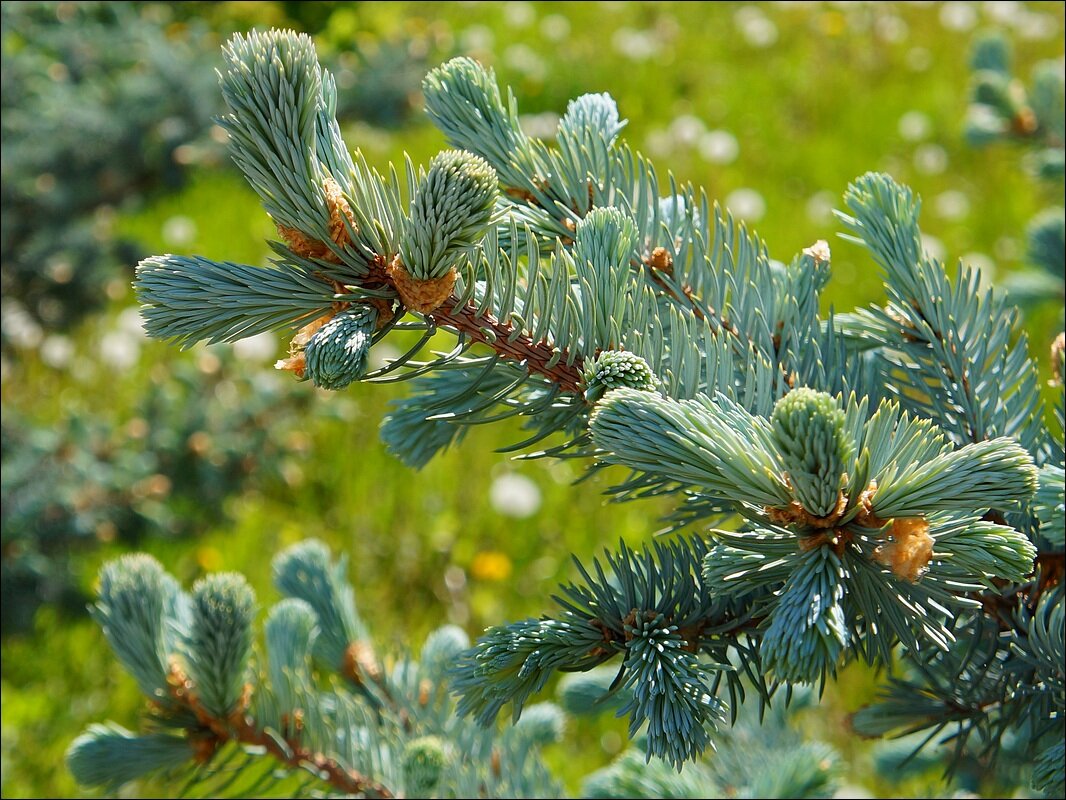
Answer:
(878, 485)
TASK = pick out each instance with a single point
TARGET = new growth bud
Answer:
(809, 432)
(423, 762)
(338, 352)
(449, 214)
(613, 369)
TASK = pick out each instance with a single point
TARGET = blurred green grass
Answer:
(807, 95)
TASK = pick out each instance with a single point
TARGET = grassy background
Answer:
(772, 107)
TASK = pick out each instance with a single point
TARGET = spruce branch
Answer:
(202, 644)
(642, 608)
(193, 299)
(306, 572)
(890, 557)
(239, 727)
(886, 474)
(396, 735)
(957, 339)
(110, 756)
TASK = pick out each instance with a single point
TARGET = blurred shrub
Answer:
(106, 103)
(100, 104)
(192, 440)
(379, 83)
(1005, 109)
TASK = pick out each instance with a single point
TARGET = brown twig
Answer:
(486, 329)
(240, 727)
(537, 356)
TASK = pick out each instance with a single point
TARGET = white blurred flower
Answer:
(1004, 11)
(540, 126)
(633, 44)
(952, 204)
(1035, 26)
(891, 28)
(659, 142)
(56, 351)
(178, 230)
(119, 349)
(19, 327)
(1006, 248)
(719, 147)
(382, 354)
(477, 37)
(523, 58)
(958, 16)
(518, 14)
(914, 126)
(60, 270)
(933, 247)
(208, 363)
(226, 394)
(261, 347)
(930, 159)
(555, 27)
(747, 204)
(687, 129)
(757, 29)
(131, 321)
(514, 495)
(820, 206)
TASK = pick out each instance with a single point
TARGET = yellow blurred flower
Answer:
(491, 565)
(208, 558)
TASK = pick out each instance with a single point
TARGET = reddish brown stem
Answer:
(240, 727)
(537, 356)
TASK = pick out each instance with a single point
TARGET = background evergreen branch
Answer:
(210, 702)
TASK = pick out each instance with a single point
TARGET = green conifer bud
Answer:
(220, 640)
(591, 113)
(424, 760)
(613, 369)
(136, 599)
(338, 352)
(442, 649)
(605, 238)
(543, 723)
(984, 125)
(809, 432)
(450, 213)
